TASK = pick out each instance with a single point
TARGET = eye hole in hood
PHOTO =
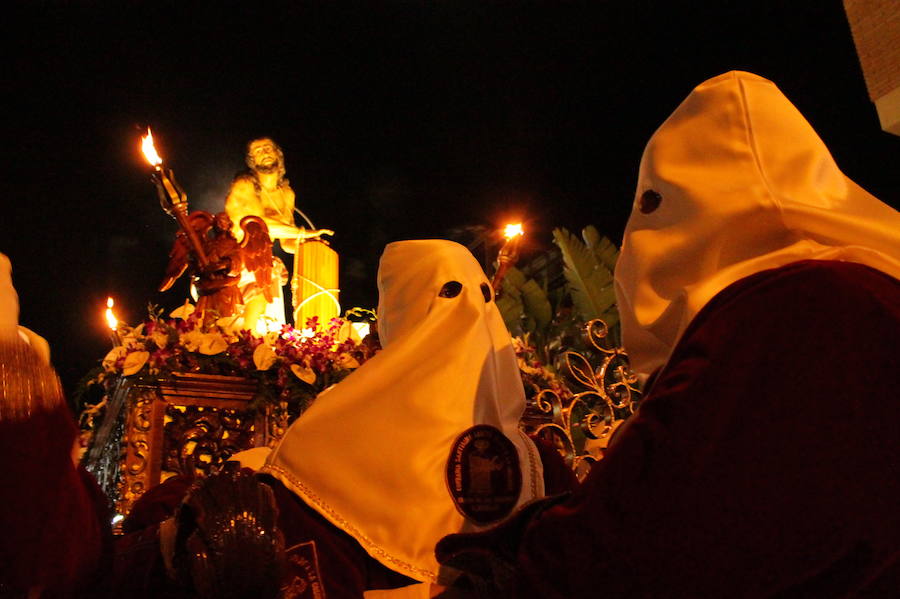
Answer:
(486, 292)
(650, 201)
(450, 289)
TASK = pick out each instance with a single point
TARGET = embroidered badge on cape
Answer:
(483, 474)
(303, 580)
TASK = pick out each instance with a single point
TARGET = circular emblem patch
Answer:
(483, 474)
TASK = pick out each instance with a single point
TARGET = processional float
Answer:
(191, 423)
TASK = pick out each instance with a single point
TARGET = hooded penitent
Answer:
(764, 459)
(733, 183)
(51, 535)
(423, 440)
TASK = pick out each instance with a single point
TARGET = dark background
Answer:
(398, 120)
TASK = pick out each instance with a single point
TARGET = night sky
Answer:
(398, 120)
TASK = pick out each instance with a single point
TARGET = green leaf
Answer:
(590, 282)
(509, 302)
(604, 250)
(514, 277)
(536, 304)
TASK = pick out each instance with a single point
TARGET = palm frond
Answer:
(537, 305)
(605, 250)
(590, 282)
(509, 302)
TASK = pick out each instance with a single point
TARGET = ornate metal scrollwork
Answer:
(597, 393)
(105, 456)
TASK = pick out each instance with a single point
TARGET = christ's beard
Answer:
(267, 169)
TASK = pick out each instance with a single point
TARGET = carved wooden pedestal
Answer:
(187, 423)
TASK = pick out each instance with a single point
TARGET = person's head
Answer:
(27, 381)
(447, 376)
(734, 182)
(265, 156)
(418, 276)
(9, 300)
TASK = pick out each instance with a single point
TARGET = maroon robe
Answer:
(322, 559)
(321, 556)
(138, 570)
(54, 519)
(763, 462)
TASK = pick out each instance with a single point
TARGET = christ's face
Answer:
(264, 154)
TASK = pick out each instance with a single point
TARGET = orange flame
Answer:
(513, 230)
(110, 318)
(149, 149)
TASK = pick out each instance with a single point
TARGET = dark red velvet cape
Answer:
(764, 461)
(342, 567)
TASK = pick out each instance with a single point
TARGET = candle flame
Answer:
(110, 318)
(513, 230)
(149, 149)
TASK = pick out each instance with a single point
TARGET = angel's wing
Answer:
(178, 261)
(179, 257)
(200, 221)
(257, 253)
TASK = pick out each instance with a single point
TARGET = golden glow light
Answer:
(513, 230)
(110, 318)
(149, 149)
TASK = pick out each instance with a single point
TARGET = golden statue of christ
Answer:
(264, 191)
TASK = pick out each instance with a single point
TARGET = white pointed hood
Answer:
(746, 186)
(9, 314)
(9, 301)
(27, 381)
(372, 454)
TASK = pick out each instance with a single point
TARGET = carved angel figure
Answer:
(216, 266)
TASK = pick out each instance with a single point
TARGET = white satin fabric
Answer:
(371, 454)
(746, 186)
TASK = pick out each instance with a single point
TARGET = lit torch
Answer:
(113, 323)
(508, 255)
(171, 197)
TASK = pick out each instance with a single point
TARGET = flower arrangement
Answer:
(536, 375)
(291, 365)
